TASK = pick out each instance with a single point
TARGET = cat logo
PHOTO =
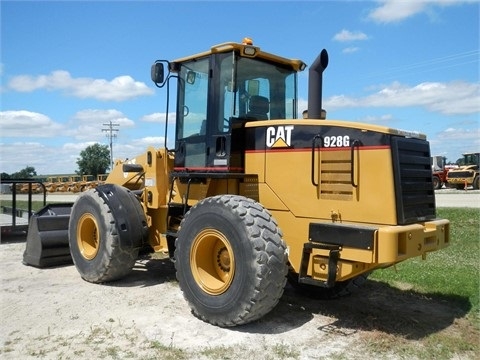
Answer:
(279, 136)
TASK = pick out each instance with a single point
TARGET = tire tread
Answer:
(270, 258)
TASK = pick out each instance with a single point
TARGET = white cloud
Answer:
(84, 129)
(118, 89)
(459, 139)
(350, 50)
(445, 98)
(62, 159)
(381, 119)
(346, 35)
(100, 116)
(461, 134)
(78, 146)
(395, 10)
(23, 123)
(45, 159)
(137, 147)
(94, 124)
(390, 11)
(85, 125)
(158, 117)
(149, 141)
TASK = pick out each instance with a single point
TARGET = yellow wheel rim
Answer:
(88, 236)
(212, 261)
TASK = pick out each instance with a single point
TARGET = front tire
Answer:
(476, 183)
(106, 230)
(231, 260)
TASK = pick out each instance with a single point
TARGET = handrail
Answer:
(14, 182)
(355, 143)
(314, 141)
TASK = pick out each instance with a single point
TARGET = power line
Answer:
(445, 62)
(111, 134)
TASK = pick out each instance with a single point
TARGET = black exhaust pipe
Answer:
(315, 85)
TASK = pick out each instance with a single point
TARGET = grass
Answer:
(23, 204)
(454, 271)
(451, 275)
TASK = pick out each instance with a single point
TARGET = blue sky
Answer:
(69, 67)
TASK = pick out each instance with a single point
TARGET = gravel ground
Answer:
(53, 314)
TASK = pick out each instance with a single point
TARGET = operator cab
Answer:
(217, 93)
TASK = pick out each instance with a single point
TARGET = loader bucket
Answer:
(47, 237)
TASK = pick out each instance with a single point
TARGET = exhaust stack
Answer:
(315, 85)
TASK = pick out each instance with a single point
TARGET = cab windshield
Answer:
(263, 91)
(222, 88)
(471, 159)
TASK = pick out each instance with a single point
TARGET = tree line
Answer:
(93, 160)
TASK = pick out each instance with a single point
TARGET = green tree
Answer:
(4, 176)
(27, 173)
(93, 160)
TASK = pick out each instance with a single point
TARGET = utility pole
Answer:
(111, 134)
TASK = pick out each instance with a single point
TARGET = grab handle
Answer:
(355, 143)
(314, 146)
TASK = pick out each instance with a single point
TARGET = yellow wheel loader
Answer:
(251, 196)
(466, 175)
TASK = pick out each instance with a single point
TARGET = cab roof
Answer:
(246, 50)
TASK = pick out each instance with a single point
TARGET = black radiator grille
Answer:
(413, 180)
(460, 174)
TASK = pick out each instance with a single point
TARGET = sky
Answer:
(68, 68)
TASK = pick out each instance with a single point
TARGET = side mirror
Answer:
(157, 73)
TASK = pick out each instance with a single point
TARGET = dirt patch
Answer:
(54, 314)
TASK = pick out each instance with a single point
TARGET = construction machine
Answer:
(467, 174)
(439, 171)
(251, 196)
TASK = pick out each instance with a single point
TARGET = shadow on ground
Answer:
(375, 307)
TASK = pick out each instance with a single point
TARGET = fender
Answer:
(128, 214)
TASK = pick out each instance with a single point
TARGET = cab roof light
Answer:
(249, 51)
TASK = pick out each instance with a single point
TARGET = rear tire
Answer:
(231, 260)
(437, 184)
(106, 230)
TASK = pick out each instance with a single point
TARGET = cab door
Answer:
(191, 128)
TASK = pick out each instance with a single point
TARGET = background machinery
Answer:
(251, 196)
(439, 171)
(467, 174)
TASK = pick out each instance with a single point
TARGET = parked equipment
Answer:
(439, 172)
(251, 195)
(467, 174)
